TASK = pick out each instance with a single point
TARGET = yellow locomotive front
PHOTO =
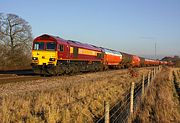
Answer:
(44, 55)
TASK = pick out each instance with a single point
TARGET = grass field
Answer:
(161, 104)
(75, 99)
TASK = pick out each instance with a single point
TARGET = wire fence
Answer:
(120, 111)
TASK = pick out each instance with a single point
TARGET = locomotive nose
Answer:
(44, 57)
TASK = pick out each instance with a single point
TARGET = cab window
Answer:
(50, 46)
(61, 48)
(39, 46)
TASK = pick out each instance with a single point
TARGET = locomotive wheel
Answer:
(101, 68)
(60, 69)
(68, 69)
(105, 67)
(52, 71)
(76, 69)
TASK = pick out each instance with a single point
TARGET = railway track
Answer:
(17, 76)
(11, 79)
(16, 72)
(11, 76)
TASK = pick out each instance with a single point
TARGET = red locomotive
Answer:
(53, 56)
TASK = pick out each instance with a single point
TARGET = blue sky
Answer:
(131, 26)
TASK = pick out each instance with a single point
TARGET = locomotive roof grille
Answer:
(76, 42)
(85, 44)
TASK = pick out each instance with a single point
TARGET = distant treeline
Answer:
(175, 59)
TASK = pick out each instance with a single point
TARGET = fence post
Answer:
(143, 87)
(149, 73)
(152, 75)
(155, 70)
(132, 99)
(106, 112)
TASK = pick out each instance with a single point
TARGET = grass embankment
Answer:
(78, 99)
(177, 77)
(177, 63)
(161, 103)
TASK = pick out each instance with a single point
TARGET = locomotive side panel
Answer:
(63, 50)
(78, 53)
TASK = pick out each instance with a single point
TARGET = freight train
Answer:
(53, 55)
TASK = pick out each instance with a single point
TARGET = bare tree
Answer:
(15, 37)
(15, 32)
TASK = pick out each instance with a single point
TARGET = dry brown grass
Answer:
(161, 103)
(176, 73)
(74, 99)
(177, 63)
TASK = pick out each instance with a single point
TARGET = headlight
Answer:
(52, 59)
(34, 58)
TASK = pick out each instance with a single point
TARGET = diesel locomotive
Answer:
(53, 55)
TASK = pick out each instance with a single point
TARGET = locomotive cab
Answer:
(44, 53)
(47, 51)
